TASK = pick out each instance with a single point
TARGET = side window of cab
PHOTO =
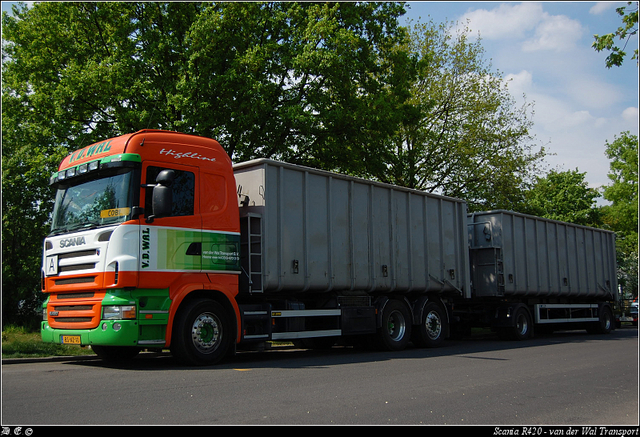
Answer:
(183, 189)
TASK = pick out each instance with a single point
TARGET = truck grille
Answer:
(75, 310)
(81, 280)
(79, 261)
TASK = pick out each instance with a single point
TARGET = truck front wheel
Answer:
(202, 333)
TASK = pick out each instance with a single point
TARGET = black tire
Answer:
(434, 327)
(523, 328)
(605, 323)
(395, 333)
(202, 333)
(115, 354)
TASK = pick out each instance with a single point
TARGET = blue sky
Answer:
(544, 49)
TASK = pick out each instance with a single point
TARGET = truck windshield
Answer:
(95, 202)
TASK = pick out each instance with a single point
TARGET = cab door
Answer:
(171, 245)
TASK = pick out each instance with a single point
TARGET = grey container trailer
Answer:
(562, 272)
(316, 240)
(329, 255)
(324, 232)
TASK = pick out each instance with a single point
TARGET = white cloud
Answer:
(520, 83)
(578, 118)
(554, 115)
(592, 93)
(517, 21)
(577, 136)
(601, 122)
(601, 7)
(630, 114)
(507, 20)
(555, 32)
(577, 108)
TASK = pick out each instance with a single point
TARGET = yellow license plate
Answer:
(70, 339)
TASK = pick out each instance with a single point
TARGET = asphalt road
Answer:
(569, 378)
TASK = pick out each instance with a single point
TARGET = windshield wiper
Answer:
(75, 227)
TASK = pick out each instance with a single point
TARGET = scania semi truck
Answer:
(158, 241)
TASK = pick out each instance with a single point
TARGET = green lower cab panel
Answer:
(147, 330)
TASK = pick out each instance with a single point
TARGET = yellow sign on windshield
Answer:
(116, 212)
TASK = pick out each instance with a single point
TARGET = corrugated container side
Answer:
(541, 257)
(324, 231)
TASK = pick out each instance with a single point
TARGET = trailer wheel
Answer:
(434, 327)
(202, 333)
(605, 324)
(395, 333)
(523, 327)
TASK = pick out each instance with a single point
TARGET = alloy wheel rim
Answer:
(206, 332)
(433, 325)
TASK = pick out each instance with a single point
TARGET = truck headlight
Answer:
(118, 312)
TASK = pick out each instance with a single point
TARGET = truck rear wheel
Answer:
(202, 333)
(605, 324)
(523, 327)
(395, 332)
(434, 327)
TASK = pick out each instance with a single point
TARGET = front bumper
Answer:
(108, 333)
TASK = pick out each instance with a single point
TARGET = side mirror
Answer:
(166, 177)
(162, 197)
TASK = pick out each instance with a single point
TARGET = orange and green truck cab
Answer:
(121, 257)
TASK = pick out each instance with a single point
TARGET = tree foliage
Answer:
(622, 215)
(623, 33)
(312, 83)
(306, 83)
(296, 81)
(564, 196)
(463, 134)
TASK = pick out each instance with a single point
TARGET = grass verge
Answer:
(18, 342)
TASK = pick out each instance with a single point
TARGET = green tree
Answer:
(622, 215)
(298, 81)
(462, 134)
(623, 33)
(303, 82)
(564, 196)
(312, 83)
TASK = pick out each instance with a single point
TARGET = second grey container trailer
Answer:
(535, 271)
